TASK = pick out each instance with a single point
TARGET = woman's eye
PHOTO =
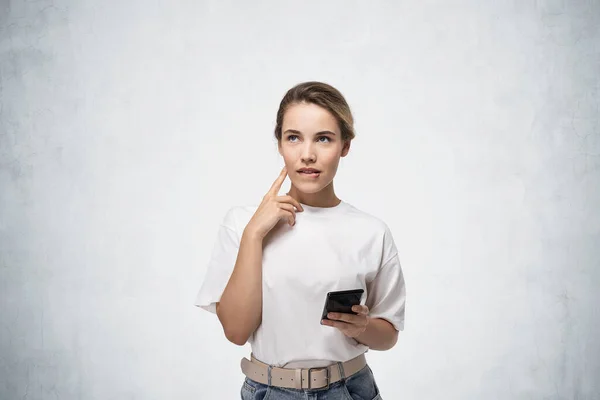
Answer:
(290, 137)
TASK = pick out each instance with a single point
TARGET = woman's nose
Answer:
(308, 153)
(308, 157)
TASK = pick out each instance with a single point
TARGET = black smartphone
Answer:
(342, 301)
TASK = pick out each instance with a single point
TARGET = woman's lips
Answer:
(310, 175)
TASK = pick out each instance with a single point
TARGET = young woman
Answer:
(273, 265)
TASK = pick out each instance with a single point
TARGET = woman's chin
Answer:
(308, 188)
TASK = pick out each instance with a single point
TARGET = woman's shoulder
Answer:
(238, 216)
(373, 228)
(379, 232)
(367, 218)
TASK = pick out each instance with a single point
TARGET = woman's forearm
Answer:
(240, 308)
(379, 335)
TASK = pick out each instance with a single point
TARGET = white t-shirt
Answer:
(328, 249)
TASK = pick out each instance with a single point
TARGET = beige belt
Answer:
(301, 378)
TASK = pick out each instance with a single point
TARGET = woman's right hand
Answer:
(274, 208)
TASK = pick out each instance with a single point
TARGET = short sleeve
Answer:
(220, 265)
(386, 293)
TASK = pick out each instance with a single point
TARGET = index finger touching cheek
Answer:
(276, 186)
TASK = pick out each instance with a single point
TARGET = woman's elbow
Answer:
(235, 337)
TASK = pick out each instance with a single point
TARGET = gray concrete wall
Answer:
(128, 128)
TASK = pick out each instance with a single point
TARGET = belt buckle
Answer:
(310, 380)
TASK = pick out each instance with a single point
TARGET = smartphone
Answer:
(341, 301)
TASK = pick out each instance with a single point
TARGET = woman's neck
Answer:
(324, 198)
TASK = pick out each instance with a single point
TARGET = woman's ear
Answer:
(346, 148)
(279, 148)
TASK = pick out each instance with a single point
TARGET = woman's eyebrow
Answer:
(295, 132)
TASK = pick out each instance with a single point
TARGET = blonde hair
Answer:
(323, 95)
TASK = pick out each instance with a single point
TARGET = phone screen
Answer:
(342, 301)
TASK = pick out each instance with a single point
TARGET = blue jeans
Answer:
(360, 386)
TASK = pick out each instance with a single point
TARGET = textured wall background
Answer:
(128, 128)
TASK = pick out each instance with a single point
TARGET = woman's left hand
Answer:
(349, 324)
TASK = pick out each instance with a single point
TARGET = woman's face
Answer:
(311, 138)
